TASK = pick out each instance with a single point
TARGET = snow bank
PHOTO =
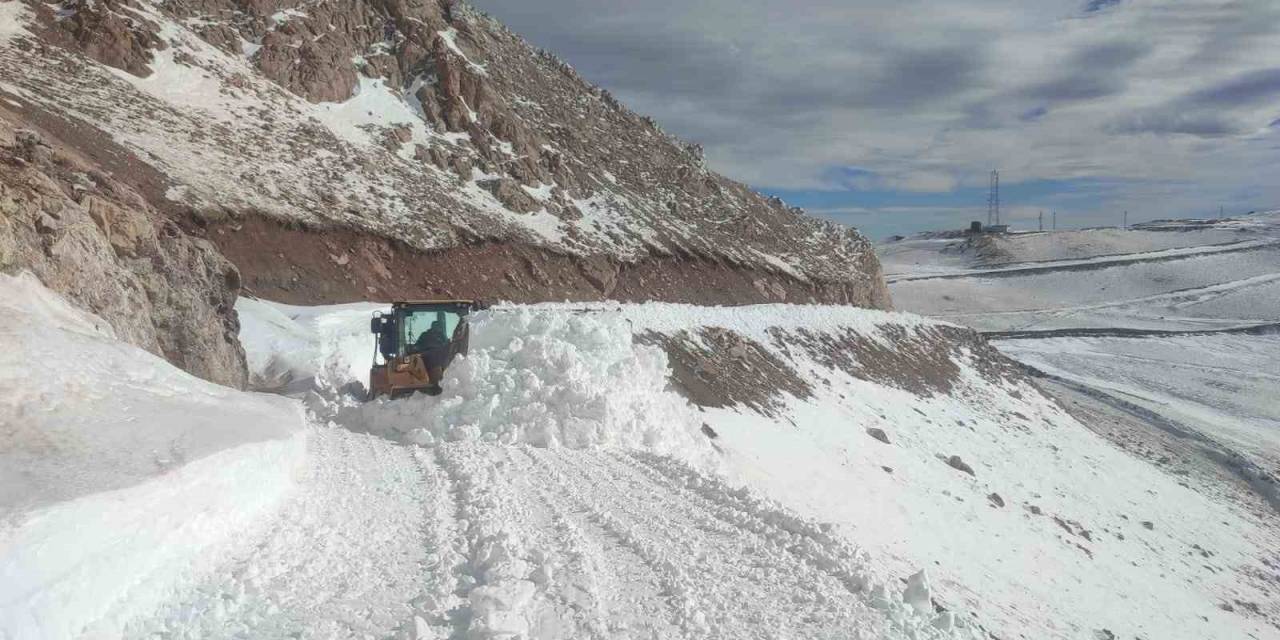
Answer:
(297, 349)
(120, 475)
(549, 380)
(102, 414)
(541, 375)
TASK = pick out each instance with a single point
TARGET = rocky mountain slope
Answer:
(84, 233)
(348, 149)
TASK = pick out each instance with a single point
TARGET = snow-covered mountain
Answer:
(594, 469)
(343, 149)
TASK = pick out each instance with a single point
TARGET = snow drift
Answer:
(546, 379)
(119, 474)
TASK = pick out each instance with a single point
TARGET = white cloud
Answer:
(929, 95)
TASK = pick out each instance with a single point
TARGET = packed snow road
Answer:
(562, 487)
(479, 540)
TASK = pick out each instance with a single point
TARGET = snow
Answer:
(1186, 293)
(281, 17)
(1103, 261)
(306, 348)
(120, 416)
(372, 104)
(1218, 384)
(1004, 563)
(13, 18)
(1211, 396)
(549, 380)
(481, 541)
(929, 254)
(450, 38)
(541, 193)
(249, 49)
(1042, 574)
(210, 122)
(121, 477)
(545, 379)
(329, 533)
(1186, 277)
(605, 216)
(559, 488)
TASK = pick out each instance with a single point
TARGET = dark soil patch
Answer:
(299, 265)
(924, 361)
(729, 370)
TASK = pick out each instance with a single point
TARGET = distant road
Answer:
(1088, 264)
(1265, 328)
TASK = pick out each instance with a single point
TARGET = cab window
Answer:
(418, 323)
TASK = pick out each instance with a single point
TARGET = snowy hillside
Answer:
(636, 470)
(428, 124)
(1216, 274)
(1168, 349)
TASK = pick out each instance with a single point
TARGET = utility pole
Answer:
(993, 200)
(1055, 220)
(1220, 212)
(1126, 219)
(1042, 221)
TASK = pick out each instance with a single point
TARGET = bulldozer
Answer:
(415, 342)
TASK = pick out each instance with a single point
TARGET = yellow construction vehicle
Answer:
(416, 342)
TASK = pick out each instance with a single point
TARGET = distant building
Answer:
(976, 227)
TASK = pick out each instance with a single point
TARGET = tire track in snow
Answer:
(340, 559)
(476, 540)
(643, 596)
(436, 610)
(726, 581)
(737, 509)
(630, 532)
(581, 580)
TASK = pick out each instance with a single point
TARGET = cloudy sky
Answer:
(890, 114)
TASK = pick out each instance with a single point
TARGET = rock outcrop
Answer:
(99, 243)
(422, 126)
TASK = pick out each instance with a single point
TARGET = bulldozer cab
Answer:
(415, 343)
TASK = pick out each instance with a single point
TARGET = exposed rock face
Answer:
(99, 243)
(421, 122)
(106, 32)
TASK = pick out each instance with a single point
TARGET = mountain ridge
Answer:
(451, 133)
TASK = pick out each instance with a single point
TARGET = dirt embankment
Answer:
(290, 263)
(716, 367)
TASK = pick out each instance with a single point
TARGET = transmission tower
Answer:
(993, 200)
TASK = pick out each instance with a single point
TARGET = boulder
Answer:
(511, 195)
(960, 465)
(878, 434)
